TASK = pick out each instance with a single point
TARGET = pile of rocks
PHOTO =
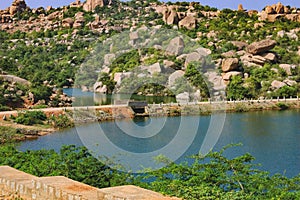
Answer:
(187, 19)
(230, 67)
(258, 53)
(17, 6)
(254, 55)
(276, 11)
(90, 5)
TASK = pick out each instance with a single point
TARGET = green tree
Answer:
(41, 92)
(194, 75)
(235, 90)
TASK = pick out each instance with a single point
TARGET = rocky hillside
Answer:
(16, 92)
(249, 54)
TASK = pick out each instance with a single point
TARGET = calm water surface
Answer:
(273, 137)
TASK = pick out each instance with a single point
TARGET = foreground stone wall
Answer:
(16, 184)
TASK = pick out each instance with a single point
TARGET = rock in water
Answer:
(183, 97)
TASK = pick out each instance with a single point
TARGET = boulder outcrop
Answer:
(175, 46)
(90, 5)
(76, 4)
(276, 11)
(277, 84)
(228, 75)
(79, 20)
(193, 57)
(174, 76)
(287, 68)
(155, 68)
(68, 23)
(230, 64)
(17, 6)
(261, 46)
(240, 7)
(171, 17)
(188, 22)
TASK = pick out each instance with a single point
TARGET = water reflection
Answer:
(91, 99)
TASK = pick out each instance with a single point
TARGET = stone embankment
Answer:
(209, 107)
(111, 112)
(90, 114)
(15, 184)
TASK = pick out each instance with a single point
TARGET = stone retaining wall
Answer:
(16, 184)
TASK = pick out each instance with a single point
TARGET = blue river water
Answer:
(272, 137)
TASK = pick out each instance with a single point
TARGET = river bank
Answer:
(83, 115)
(12, 132)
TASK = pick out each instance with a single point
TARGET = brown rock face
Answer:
(230, 64)
(277, 84)
(79, 20)
(172, 17)
(252, 12)
(226, 77)
(76, 4)
(293, 17)
(261, 46)
(175, 46)
(239, 44)
(279, 8)
(188, 22)
(240, 7)
(276, 11)
(54, 15)
(269, 10)
(90, 5)
(17, 6)
(68, 22)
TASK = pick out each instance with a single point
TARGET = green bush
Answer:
(286, 92)
(213, 176)
(4, 108)
(216, 177)
(31, 118)
(194, 75)
(282, 106)
(41, 92)
(61, 121)
(8, 135)
(235, 90)
(73, 162)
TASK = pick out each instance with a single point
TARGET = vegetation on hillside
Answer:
(54, 56)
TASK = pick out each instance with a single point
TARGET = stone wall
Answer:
(17, 184)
